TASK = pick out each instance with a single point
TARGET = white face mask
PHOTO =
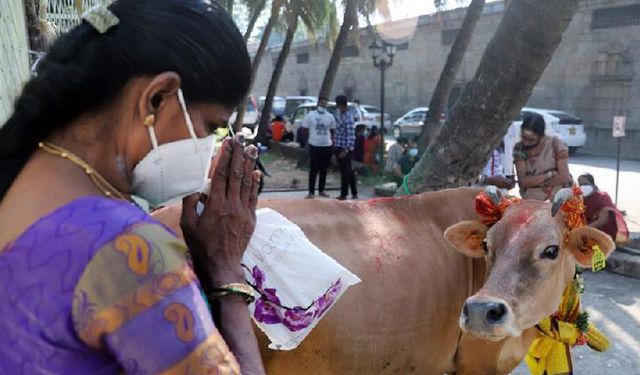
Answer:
(173, 170)
(321, 109)
(586, 190)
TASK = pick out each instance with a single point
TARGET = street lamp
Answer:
(382, 55)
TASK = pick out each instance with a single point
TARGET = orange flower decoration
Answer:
(490, 212)
(574, 210)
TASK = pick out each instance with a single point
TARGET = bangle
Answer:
(240, 289)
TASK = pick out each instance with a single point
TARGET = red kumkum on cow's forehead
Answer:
(523, 218)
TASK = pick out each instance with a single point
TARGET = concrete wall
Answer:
(594, 72)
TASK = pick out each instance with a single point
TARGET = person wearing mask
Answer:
(394, 154)
(542, 162)
(493, 172)
(601, 212)
(372, 148)
(344, 145)
(318, 127)
(93, 284)
(409, 158)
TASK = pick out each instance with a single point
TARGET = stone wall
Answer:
(594, 72)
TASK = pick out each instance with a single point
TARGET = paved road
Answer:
(613, 303)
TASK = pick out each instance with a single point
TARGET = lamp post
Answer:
(382, 55)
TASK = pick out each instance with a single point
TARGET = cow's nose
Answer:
(480, 313)
(496, 312)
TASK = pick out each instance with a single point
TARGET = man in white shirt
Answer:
(319, 126)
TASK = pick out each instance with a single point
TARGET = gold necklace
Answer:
(100, 182)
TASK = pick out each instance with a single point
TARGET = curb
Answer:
(625, 261)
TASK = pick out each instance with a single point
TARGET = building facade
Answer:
(594, 73)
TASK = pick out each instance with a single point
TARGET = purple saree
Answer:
(99, 287)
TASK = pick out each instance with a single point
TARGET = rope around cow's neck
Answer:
(405, 186)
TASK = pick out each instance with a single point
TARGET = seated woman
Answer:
(541, 161)
(371, 148)
(277, 128)
(601, 211)
(125, 104)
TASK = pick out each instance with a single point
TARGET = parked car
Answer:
(568, 127)
(302, 110)
(371, 117)
(410, 124)
(293, 102)
(277, 107)
(251, 115)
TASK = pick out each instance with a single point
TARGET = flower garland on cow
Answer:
(550, 352)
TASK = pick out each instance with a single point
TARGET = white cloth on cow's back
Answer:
(288, 270)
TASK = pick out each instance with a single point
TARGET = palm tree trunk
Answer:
(37, 40)
(439, 98)
(253, 19)
(265, 117)
(514, 60)
(276, 5)
(350, 18)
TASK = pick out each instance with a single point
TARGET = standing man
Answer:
(318, 127)
(344, 144)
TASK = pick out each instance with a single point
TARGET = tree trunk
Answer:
(255, 64)
(514, 60)
(440, 96)
(265, 117)
(253, 19)
(37, 40)
(350, 18)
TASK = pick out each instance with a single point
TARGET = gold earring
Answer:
(149, 119)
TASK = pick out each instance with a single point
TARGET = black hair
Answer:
(535, 123)
(373, 132)
(341, 100)
(85, 71)
(322, 98)
(589, 178)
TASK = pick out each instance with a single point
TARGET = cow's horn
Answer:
(559, 199)
(493, 193)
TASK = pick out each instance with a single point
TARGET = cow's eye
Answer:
(551, 252)
(485, 247)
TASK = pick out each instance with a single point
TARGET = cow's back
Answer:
(403, 317)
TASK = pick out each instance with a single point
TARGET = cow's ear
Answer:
(468, 237)
(582, 240)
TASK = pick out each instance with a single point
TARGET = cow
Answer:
(441, 292)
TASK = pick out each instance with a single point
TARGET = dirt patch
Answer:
(285, 174)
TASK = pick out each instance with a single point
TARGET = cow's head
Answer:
(530, 255)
